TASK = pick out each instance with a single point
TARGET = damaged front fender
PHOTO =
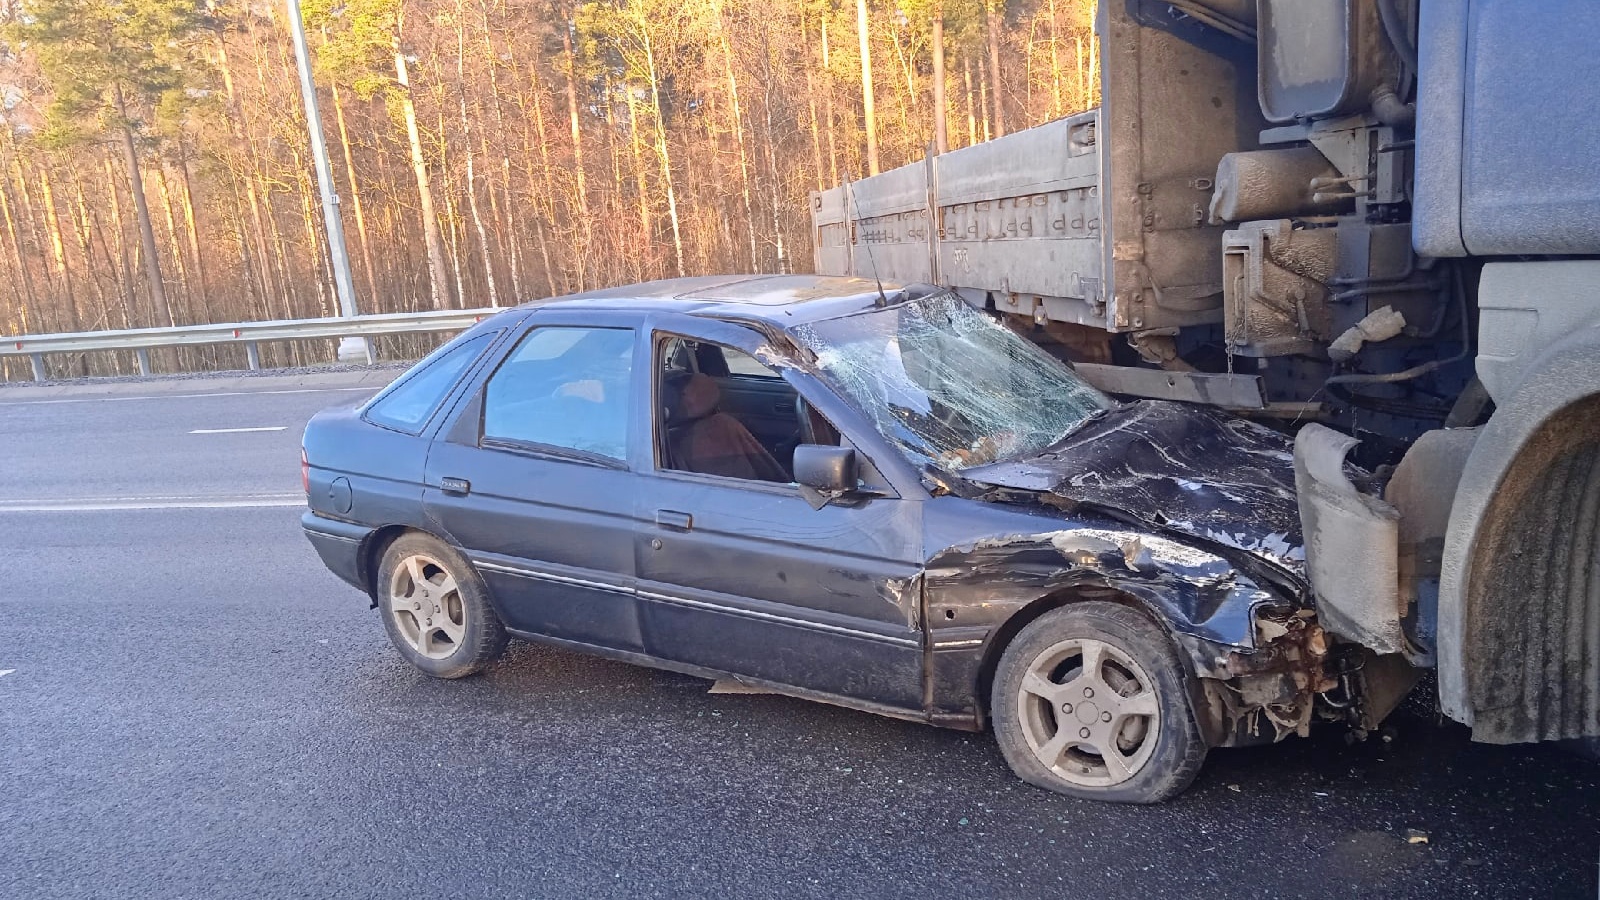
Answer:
(1259, 658)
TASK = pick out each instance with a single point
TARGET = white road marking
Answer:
(5, 672)
(238, 430)
(371, 389)
(112, 504)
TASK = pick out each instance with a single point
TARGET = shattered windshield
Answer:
(948, 385)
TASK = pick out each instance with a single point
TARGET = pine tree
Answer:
(116, 66)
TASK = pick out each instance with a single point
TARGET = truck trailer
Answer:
(1375, 223)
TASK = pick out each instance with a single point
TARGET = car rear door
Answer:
(531, 478)
(746, 577)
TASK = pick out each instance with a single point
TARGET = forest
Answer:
(155, 167)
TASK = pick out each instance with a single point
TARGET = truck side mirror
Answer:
(824, 473)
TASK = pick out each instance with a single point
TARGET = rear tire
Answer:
(1090, 701)
(436, 609)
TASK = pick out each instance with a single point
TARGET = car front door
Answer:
(532, 479)
(744, 576)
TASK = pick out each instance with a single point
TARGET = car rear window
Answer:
(410, 403)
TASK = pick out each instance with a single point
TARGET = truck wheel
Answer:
(435, 608)
(1089, 700)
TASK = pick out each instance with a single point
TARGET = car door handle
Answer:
(677, 521)
(457, 486)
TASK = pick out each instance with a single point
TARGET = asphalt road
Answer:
(190, 706)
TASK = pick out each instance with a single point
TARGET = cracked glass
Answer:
(947, 384)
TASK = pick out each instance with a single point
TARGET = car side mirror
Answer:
(824, 473)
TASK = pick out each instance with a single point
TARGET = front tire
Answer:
(1090, 700)
(435, 608)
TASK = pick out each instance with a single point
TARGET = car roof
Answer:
(782, 300)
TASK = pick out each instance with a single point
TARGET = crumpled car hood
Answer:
(1188, 469)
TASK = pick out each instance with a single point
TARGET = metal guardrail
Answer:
(250, 334)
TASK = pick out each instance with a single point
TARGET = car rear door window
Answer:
(409, 404)
(563, 388)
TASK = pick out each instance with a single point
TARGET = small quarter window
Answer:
(409, 403)
(565, 388)
(744, 365)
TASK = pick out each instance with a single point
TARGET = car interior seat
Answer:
(701, 438)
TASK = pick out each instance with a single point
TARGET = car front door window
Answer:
(723, 413)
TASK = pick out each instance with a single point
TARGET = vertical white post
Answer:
(350, 348)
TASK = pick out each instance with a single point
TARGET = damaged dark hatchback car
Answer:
(875, 497)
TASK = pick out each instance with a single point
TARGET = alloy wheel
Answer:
(1089, 712)
(425, 603)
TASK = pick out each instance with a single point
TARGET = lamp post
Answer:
(350, 348)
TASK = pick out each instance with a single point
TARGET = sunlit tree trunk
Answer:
(545, 204)
(665, 155)
(25, 198)
(58, 248)
(774, 179)
(570, 70)
(1055, 65)
(288, 296)
(52, 223)
(941, 135)
(738, 128)
(819, 170)
(121, 265)
(972, 118)
(27, 298)
(258, 227)
(192, 231)
(454, 220)
(869, 111)
(356, 208)
(466, 142)
(252, 278)
(646, 229)
(170, 219)
(827, 109)
(322, 264)
(438, 281)
(544, 201)
(454, 249)
(86, 228)
(141, 212)
(994, 15)
(1091, 80)
(983, 102)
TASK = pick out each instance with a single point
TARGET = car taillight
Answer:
(305, 472)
